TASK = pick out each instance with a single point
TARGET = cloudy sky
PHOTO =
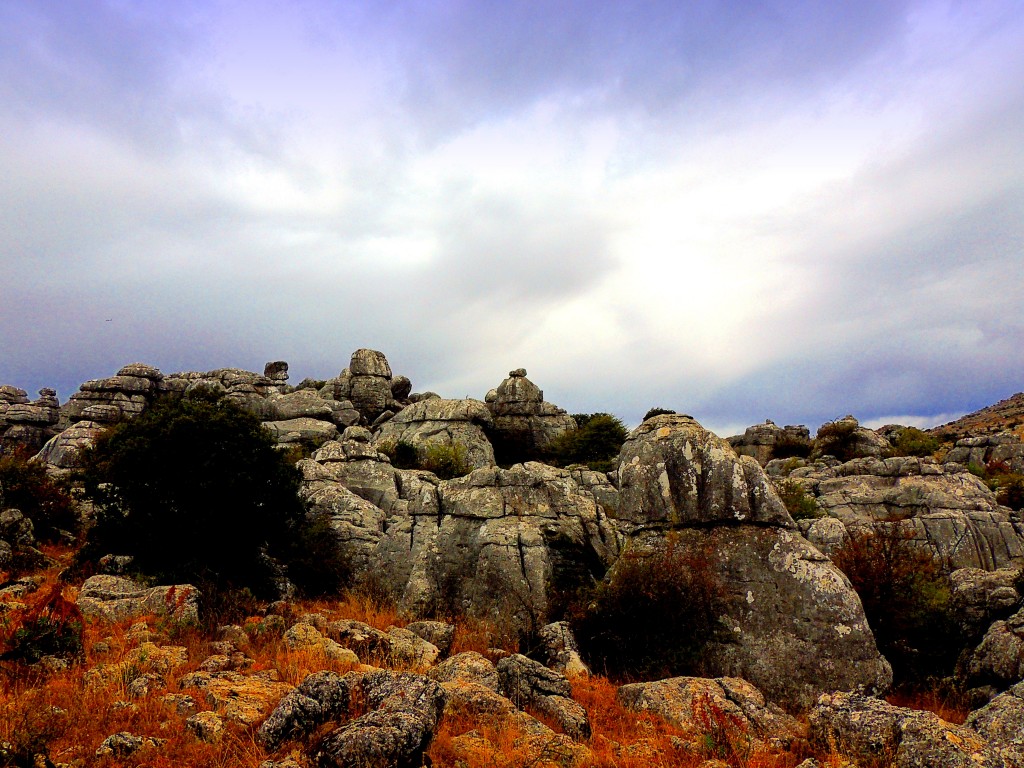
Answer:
(740, 210)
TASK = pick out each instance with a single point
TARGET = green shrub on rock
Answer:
(596, 442)
(914, 442)
(800, 504)
(195, 491)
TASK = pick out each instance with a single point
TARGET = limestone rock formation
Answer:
(443, 422)
(524, 423)
(796, 628)
(949, 510)
(846, 439)
(1004, 448)
(1001, 724)
(493, 543)
(66, 450)
(998, 660)
(367, 384)
(130, 391)
(870, 730)
(27, 425)
(114, 598)
(982, 597)
(402, 711)
(685, 701)
(528, 682)
(764, 442)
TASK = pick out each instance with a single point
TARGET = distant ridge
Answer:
(1005, 416)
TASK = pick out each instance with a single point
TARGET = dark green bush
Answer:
(906, 599)
(195, 491)
(914, 442)
(652, 617)
(790, 446)
(800, 504)
(52, 627)
(657, 412)
(25, 486)
(403, 454)
(596, 442)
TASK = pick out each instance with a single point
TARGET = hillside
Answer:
(1005, 416)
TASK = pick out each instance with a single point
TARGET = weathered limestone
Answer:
(796, 627)
(493, 543)
(65, 451)
(524, 423)
(115, 599)
(948, 510)
(27, 425)
(870, 730)
(1001, 724)
(1004, 448)
(686, 701)
(764, 442)
(443, 422)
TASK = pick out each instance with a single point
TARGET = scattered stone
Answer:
(237, 698)
(206, 726)
(469, 667)
(528, 682)
(438, 633)
(125, 744)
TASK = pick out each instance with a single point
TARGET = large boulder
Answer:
(872, 731)
(446, 423)
(795, 627)
(130, 391)
(114, 599)
(998, 660)
(524, 423)
(66, 451)
(948, 511)
(1001, 724)
(366, 383)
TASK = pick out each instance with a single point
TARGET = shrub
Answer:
(790, 446)
(800, 504)
(443, 459)
(653, 616)
(837, 438)
(596, 442)
(914, 442)
(25, 486)
(195, 491)
(657, 412)
(906, 599)
(53, 627)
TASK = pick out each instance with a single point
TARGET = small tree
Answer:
(196, 491)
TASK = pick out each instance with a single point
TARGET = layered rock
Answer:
(764, 442)
(524, 423)
(1005, 448)
(448, 423)
(27, 425)
(66, 451)
(494, 543)
(694, 703)
(115, 398)
(948, 510)
(796, 628)
(845, 439)
(367, 384)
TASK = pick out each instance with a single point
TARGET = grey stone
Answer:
(868, 729)
(114, 599)
(443, 422)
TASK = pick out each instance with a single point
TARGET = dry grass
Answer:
(68, 715)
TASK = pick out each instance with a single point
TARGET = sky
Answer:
(773, 209)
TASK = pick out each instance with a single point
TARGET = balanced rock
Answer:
(524, 423)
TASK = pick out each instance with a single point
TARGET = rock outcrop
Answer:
(872, 731)
(524, 423)
(114, 598)
(448, 423)
(764, 442)
(491, 544)
(948, 510)
(796, 628)
(1004, 448)
(27, 425)
(402, 711)
(694, 703)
